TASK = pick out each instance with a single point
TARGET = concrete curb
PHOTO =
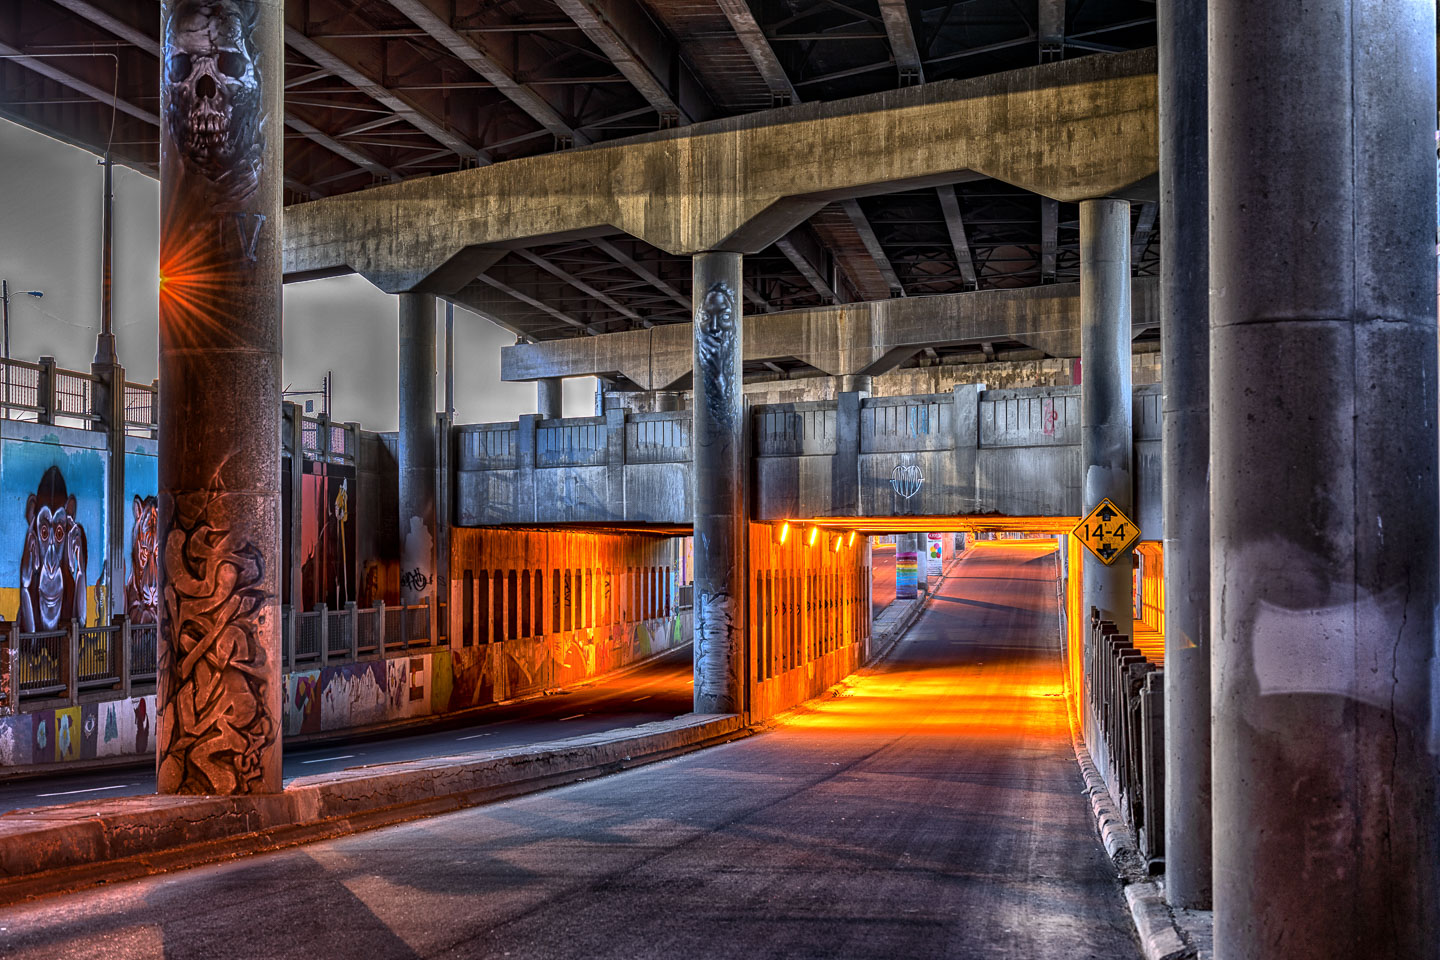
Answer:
(1159, 937)
(54, 849)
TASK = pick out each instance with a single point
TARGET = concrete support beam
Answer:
(549, 398)
(1185, 358)
(1323, 458)
(791, 245)
(851, 339)
(219, 685)
(1106, 424)
(720, 479)
(417, 447)
(1037, 128)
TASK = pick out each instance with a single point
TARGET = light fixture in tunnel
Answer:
(850, 540)
(837, 540)
(784, 533)
(814, 535)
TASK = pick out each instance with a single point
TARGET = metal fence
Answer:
(99, 650)
(45, 393)
(144, 651)
(42, 667)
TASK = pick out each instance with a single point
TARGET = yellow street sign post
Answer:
(1106, 532)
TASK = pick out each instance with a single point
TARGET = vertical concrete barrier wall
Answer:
(809, 613)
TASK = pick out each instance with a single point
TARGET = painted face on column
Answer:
(714, 347)
(215, 110)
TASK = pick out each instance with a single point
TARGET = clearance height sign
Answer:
(1106, 532)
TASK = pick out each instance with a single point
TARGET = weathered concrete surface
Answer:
(417, 447)
(868, 338)
(1106, 419)
(1185, 346)
(218, 681)
(1082, 128)
(62, 848)
(719, 480)
(1323, 452)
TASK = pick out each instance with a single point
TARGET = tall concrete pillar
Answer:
(720, 509)
(417, 447)
(1105, 411)
(1323, 459)
(856, 383)
(221, 133)
(549, 398)
(1185, 360)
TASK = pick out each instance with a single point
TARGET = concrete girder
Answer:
(871, 337)
(794, 245)
(466, 51)
(1069, 130)
(643, 53)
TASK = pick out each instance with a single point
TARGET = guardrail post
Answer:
(45, 390)
(287, 639)
(126, 662)
(9, 670)
(72, 667)
(354, 618)
(324, 612)
(380, 629)
(434, 603)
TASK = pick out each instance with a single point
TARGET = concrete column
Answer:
(719, 472)
(1323, 483)
(548, 398)
(417, 447)
(218, 700)
(1185, 359)
(1105, 401)
(856, 383)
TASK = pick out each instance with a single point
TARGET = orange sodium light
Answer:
(850, 541)
(785, 531)
(814, 535)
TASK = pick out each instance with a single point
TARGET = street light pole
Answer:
(105, 343)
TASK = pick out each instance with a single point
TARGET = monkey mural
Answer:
(52, 563)
(142, 587)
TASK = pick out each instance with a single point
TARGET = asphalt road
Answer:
(935, 811)
(658, 690)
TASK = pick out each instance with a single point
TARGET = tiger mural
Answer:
(142, 587)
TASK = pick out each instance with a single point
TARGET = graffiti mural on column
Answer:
(217, 510)
(716, 622)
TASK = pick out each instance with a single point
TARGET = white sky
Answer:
(50, 240)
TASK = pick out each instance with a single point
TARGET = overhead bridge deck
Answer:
(970, 452)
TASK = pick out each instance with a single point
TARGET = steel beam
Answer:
(464, 50)
(896, 16)
(872, 245)
(955, 225)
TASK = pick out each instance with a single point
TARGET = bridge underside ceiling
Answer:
(379, 91)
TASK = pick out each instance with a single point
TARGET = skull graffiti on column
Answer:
(714, 347)
(214, 108)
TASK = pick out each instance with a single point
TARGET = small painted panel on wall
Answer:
(141, 518)
(52, 533)
(907, 570)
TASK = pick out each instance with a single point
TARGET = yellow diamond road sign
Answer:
(1106, 531)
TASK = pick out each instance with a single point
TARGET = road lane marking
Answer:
(348, 756)
(71, 793)
(646, 697)
(474, 736)
(576, 717)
